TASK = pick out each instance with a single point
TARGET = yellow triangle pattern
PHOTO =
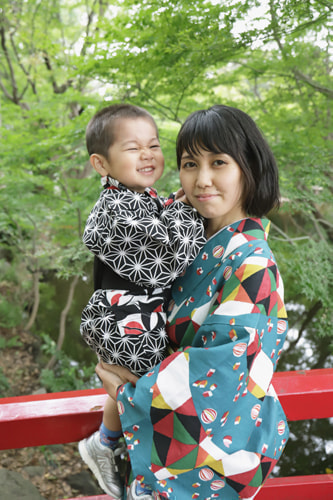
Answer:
(159, 402)
(216, 465)
(249, 270)
(174, 472)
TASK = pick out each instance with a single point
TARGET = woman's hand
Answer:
(113, 376)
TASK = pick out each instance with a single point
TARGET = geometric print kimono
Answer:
(148, 243)
(206, 422)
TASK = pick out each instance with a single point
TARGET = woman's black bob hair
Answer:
(224, 129)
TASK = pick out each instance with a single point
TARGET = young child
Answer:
(141, 244)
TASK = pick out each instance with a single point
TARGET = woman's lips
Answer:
(205, 197)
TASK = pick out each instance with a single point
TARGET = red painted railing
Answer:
(66, 417)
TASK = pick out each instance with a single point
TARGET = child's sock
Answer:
(109, 438)
(142, 489)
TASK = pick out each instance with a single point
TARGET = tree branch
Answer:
(308, 318)
(90, 16)
(25, 71)
(56, 88)
(318, 219)
(299, 75)
(35, 288)
(62, 326)
(161, 108)
(5, 91)
(327, 3)
(14, 96)
(274, 25)
(308, 80)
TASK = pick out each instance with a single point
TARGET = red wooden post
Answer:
(317, 487)
(305, 394)
(98, 497)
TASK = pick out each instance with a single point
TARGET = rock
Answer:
(15, 487)
(34, 470)
(84, 483)
(41, 390)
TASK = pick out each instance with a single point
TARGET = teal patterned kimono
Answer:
(206, 422)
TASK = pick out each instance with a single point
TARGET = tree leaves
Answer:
(61, 61)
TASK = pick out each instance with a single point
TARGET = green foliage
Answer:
(314, 259)
(12, 342)
(67, 375)
(4, 385)
(10, 314)
(62, 61)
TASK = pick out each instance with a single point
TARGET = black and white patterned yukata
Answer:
(145, 242)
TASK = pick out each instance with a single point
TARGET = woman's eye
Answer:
(188, 164)
(219, 162)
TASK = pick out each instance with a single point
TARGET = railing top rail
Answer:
(69, 416)
(65, 417)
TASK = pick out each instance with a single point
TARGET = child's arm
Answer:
(141, 241)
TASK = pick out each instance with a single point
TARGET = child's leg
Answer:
(99, 451)
(111, 418)
(110, 429)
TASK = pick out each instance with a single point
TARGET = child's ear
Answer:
(99, 163)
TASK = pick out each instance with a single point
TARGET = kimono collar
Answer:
(240, 232)
(251, 227)
(109, 182)
(221, 246)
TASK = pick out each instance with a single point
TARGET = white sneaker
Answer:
(101, 461)
(133, 495)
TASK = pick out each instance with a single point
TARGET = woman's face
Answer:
(213, 184)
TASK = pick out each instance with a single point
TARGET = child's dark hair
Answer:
(224, 129)
(100, 132)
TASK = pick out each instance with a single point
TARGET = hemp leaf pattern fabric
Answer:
(148, 242)
(126, 329)
(140, 238)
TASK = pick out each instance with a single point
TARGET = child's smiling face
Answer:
(135, 158)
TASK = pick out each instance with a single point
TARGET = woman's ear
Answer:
(99, 163)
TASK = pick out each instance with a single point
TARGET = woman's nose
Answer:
(203, 178)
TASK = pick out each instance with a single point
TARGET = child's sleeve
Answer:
(145, 245)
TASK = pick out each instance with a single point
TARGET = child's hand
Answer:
(114, 375)
(124, 373)
(181, 196)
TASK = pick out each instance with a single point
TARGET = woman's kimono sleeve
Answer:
(141, 240)
(208, 417)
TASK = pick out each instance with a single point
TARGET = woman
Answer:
(206, 422)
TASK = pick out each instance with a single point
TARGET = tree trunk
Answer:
(62, 326)
(36, 295)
